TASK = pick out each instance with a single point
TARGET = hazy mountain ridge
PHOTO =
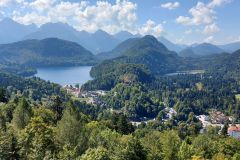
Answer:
(170, 45)
(100, 41)
(231, 47)
(203, 49)
(124, 35)
(11, 31)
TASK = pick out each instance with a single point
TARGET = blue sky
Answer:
(181, 21)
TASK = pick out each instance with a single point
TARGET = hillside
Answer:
(150, 52)
(51, 51)
(119, 50)
(230, 65)
(147, 51)
(135, 45)
(204, 49)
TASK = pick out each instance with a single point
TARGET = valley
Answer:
(70, 94)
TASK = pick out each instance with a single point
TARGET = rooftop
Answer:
(234, 128)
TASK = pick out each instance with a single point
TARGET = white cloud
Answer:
(170, 5)
(200, 14)
(31, 18)
(83, 15)
(4, 3)
(189, 31)
(2, 15)
(150, 27)
(215, 3)
(209, 39)
(110, 17)
(180, 40)
(203, 14)
(211, 29)
(41, 5)
(64, 11)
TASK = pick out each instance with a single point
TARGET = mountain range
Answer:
(99, 41)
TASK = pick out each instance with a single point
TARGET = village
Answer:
(90, 97)
(215, 118)
(219, 119)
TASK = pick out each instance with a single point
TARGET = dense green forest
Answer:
(139, 94)
(61, 130)
(39, 120)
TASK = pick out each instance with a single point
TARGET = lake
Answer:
(65, 75)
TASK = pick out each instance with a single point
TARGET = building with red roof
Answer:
(234, 131)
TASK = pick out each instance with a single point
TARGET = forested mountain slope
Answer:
(51, 51)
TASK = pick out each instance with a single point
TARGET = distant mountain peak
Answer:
(147, 45)
(12, 31)
(100, 31)
(57, 24)
(206, 44)
(124, 35)
(149, 39)
(203, 49)
(8, 21)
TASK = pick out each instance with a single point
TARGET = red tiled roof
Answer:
(234, 128)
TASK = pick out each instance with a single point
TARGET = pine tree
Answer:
(99, 153)
(37, 140)
(171, 144)
(3, 97)
(2, 122)
(8, 146)
(71, 131)
(22, 114)
(185, 152)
